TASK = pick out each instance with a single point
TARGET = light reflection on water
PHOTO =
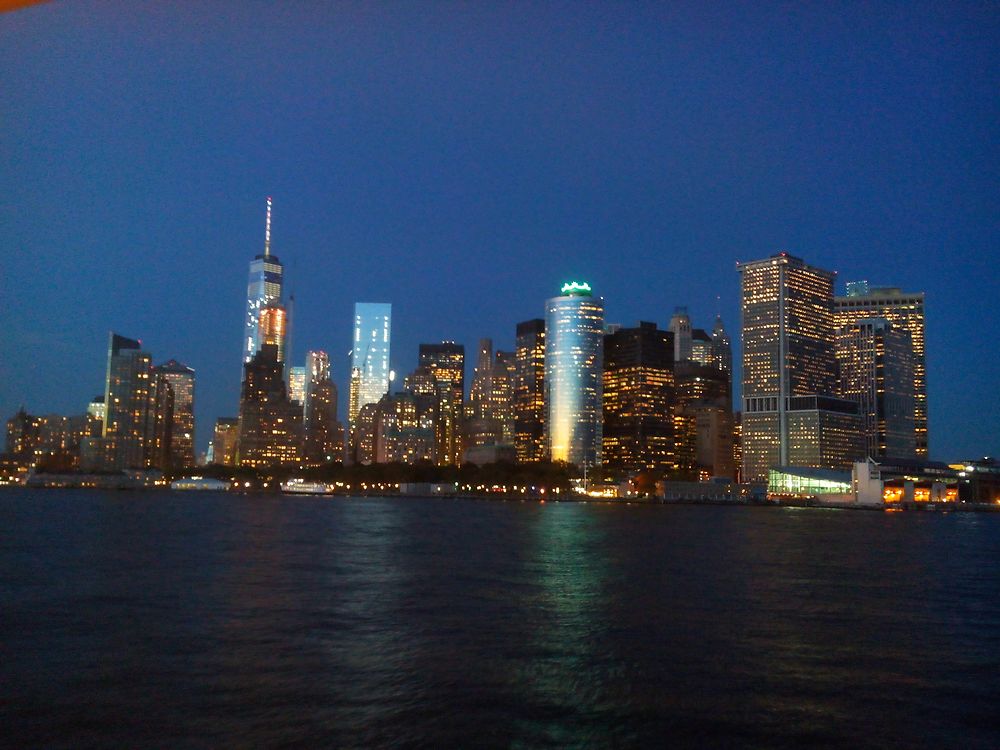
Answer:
(159, 618)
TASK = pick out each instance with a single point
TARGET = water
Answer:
(171, 619)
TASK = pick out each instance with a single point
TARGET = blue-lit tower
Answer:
(264, 288)
(574, 349)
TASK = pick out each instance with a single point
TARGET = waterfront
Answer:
(214, 619)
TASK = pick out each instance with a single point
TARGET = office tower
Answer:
(702, 419)
(23, 435)
(270, 425)
(404, 431)
(225, 440)
(179, 447)
(96, 410)
(876, 370)
(702, 349)
(369, 356)
(324, 441)
(492, 420)
(479, 391)
(159, 423)
(363, 435)
(638, 399)
(722, 351)
(500, 397)
(297, 384)
(127, 396)
(791, 415)
(904, 310)
(263, 288)
(61, 438)
(273, 328)
(680, 327)
(446, 362)
(529, 391)
(574, 343)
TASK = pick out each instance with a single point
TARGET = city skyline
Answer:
(161, 182)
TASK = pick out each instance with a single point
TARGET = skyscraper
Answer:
(264, 287)
(904, 310)
(272, 328)
(270, 426)
(446, 362)
(127, 399)
(323, 434)
(179, 448)
(529, 391)
(369, 356)
(680, 327)
(638, 399)
(876, 370)
(478, 393)
(225, 441)
(574, 344)
(791, 414)
(722, 351)
(297, 384)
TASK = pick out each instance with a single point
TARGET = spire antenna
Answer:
(267, 230)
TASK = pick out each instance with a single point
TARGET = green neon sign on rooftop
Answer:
(576, 289)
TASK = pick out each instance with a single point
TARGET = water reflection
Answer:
(138, 619)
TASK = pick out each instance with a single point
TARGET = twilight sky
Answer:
(461, 160)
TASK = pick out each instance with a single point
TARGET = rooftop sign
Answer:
(575, 288)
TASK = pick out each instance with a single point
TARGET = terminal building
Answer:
(890, 482)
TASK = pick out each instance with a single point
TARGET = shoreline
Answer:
(805, 503)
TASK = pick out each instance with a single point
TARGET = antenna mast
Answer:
(267, 230)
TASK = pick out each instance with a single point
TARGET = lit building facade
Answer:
(680, 327)
(273, 328)
(263, 288)
(225, 439)
(178, 447)
(369, 356)
(574, 345)
(876, 370)
(905, 311)
(529, 391)
(297, 384)
(127, 397)
(638, 399)
(404, 430)
(722, 350)
(790, 377)
(323, 433)
(446, 362)
(479, 391)
(270, 425)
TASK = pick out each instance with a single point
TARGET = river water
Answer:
(194, 619)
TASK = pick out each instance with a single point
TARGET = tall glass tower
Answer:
(574, 348)
(263, 289)
(369, 355)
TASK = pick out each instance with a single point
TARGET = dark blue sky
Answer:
(462, 160)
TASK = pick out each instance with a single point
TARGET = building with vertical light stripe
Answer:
(574, 348)
(792, 414)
